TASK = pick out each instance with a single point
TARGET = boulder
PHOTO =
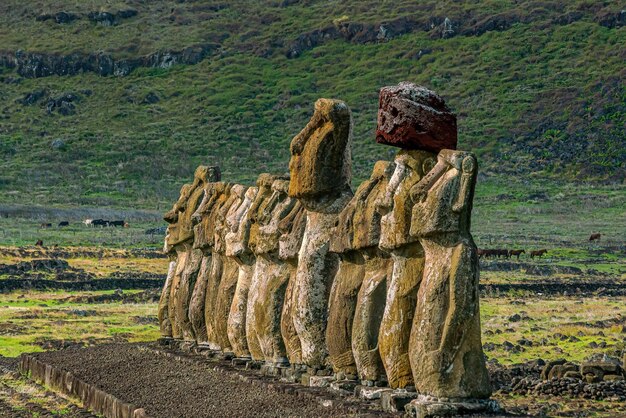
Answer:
(413, 117)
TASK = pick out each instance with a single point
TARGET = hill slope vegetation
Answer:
(116, 102)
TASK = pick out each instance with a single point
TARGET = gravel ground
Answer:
(169, 388)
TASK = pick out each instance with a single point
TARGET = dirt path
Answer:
(184, 388)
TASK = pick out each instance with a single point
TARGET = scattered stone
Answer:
(32, 97)
(151, 98)
(396, 400)
(58, 144)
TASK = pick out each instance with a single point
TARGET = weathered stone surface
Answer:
(358, 225)
(237, 247)
(427, 406)
(341, 308)
(320, 170)
(259, 215)
(272, 274)
(198, 298)
(230, 268)
(395, 401)
(292, 229)
(320, 165)
(214, 277)
(186, 284)
(165, 325)
(180, 235)
(408, 263)
(369, 312)
(413, 117)
(445, 349)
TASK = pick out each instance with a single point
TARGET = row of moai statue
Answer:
(299, 272)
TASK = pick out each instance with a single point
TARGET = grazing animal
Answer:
(594, 237)
(126, 225)
(63, 223)
(88, 222)
(516, 253)
(99, 222)
(537, 253)
(45, 225)
(39, 243)
(116, 223)
(481, 252)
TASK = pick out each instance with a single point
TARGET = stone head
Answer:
(320, 162)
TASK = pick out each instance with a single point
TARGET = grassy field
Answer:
(536, 99)
(36, 321)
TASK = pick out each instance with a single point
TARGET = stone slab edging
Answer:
(91, 397)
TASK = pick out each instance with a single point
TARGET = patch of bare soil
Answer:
(193, 388)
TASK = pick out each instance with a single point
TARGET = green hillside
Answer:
(538, 87)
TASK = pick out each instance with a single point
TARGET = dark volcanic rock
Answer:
(32, 97)
(59, 17)
(35, 65)
(413, 117)
(64, 104)
(103, 18)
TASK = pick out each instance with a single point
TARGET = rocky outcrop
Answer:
(111, 18)
(58, 17)
(35, 65)
(441, 27)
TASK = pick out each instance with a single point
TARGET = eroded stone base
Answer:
(428, 406)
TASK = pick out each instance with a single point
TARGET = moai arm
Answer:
(385, 203)
(234, 219)
(286, 223)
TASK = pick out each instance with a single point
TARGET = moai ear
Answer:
(468, 170)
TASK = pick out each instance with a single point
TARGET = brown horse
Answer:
(537, 253)
(516, 253)
(594, 237)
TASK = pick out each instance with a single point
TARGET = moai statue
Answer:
(292, 230)
(445, 348)
(345, 287)
(188, 261)
(230, 268)
(378, 265)
(417, 120)
(258, 215)
(237, 247)
(209, 219)
(320, 169)
(196, 305)
(171, 238)
(272, 275)
(407, 258)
